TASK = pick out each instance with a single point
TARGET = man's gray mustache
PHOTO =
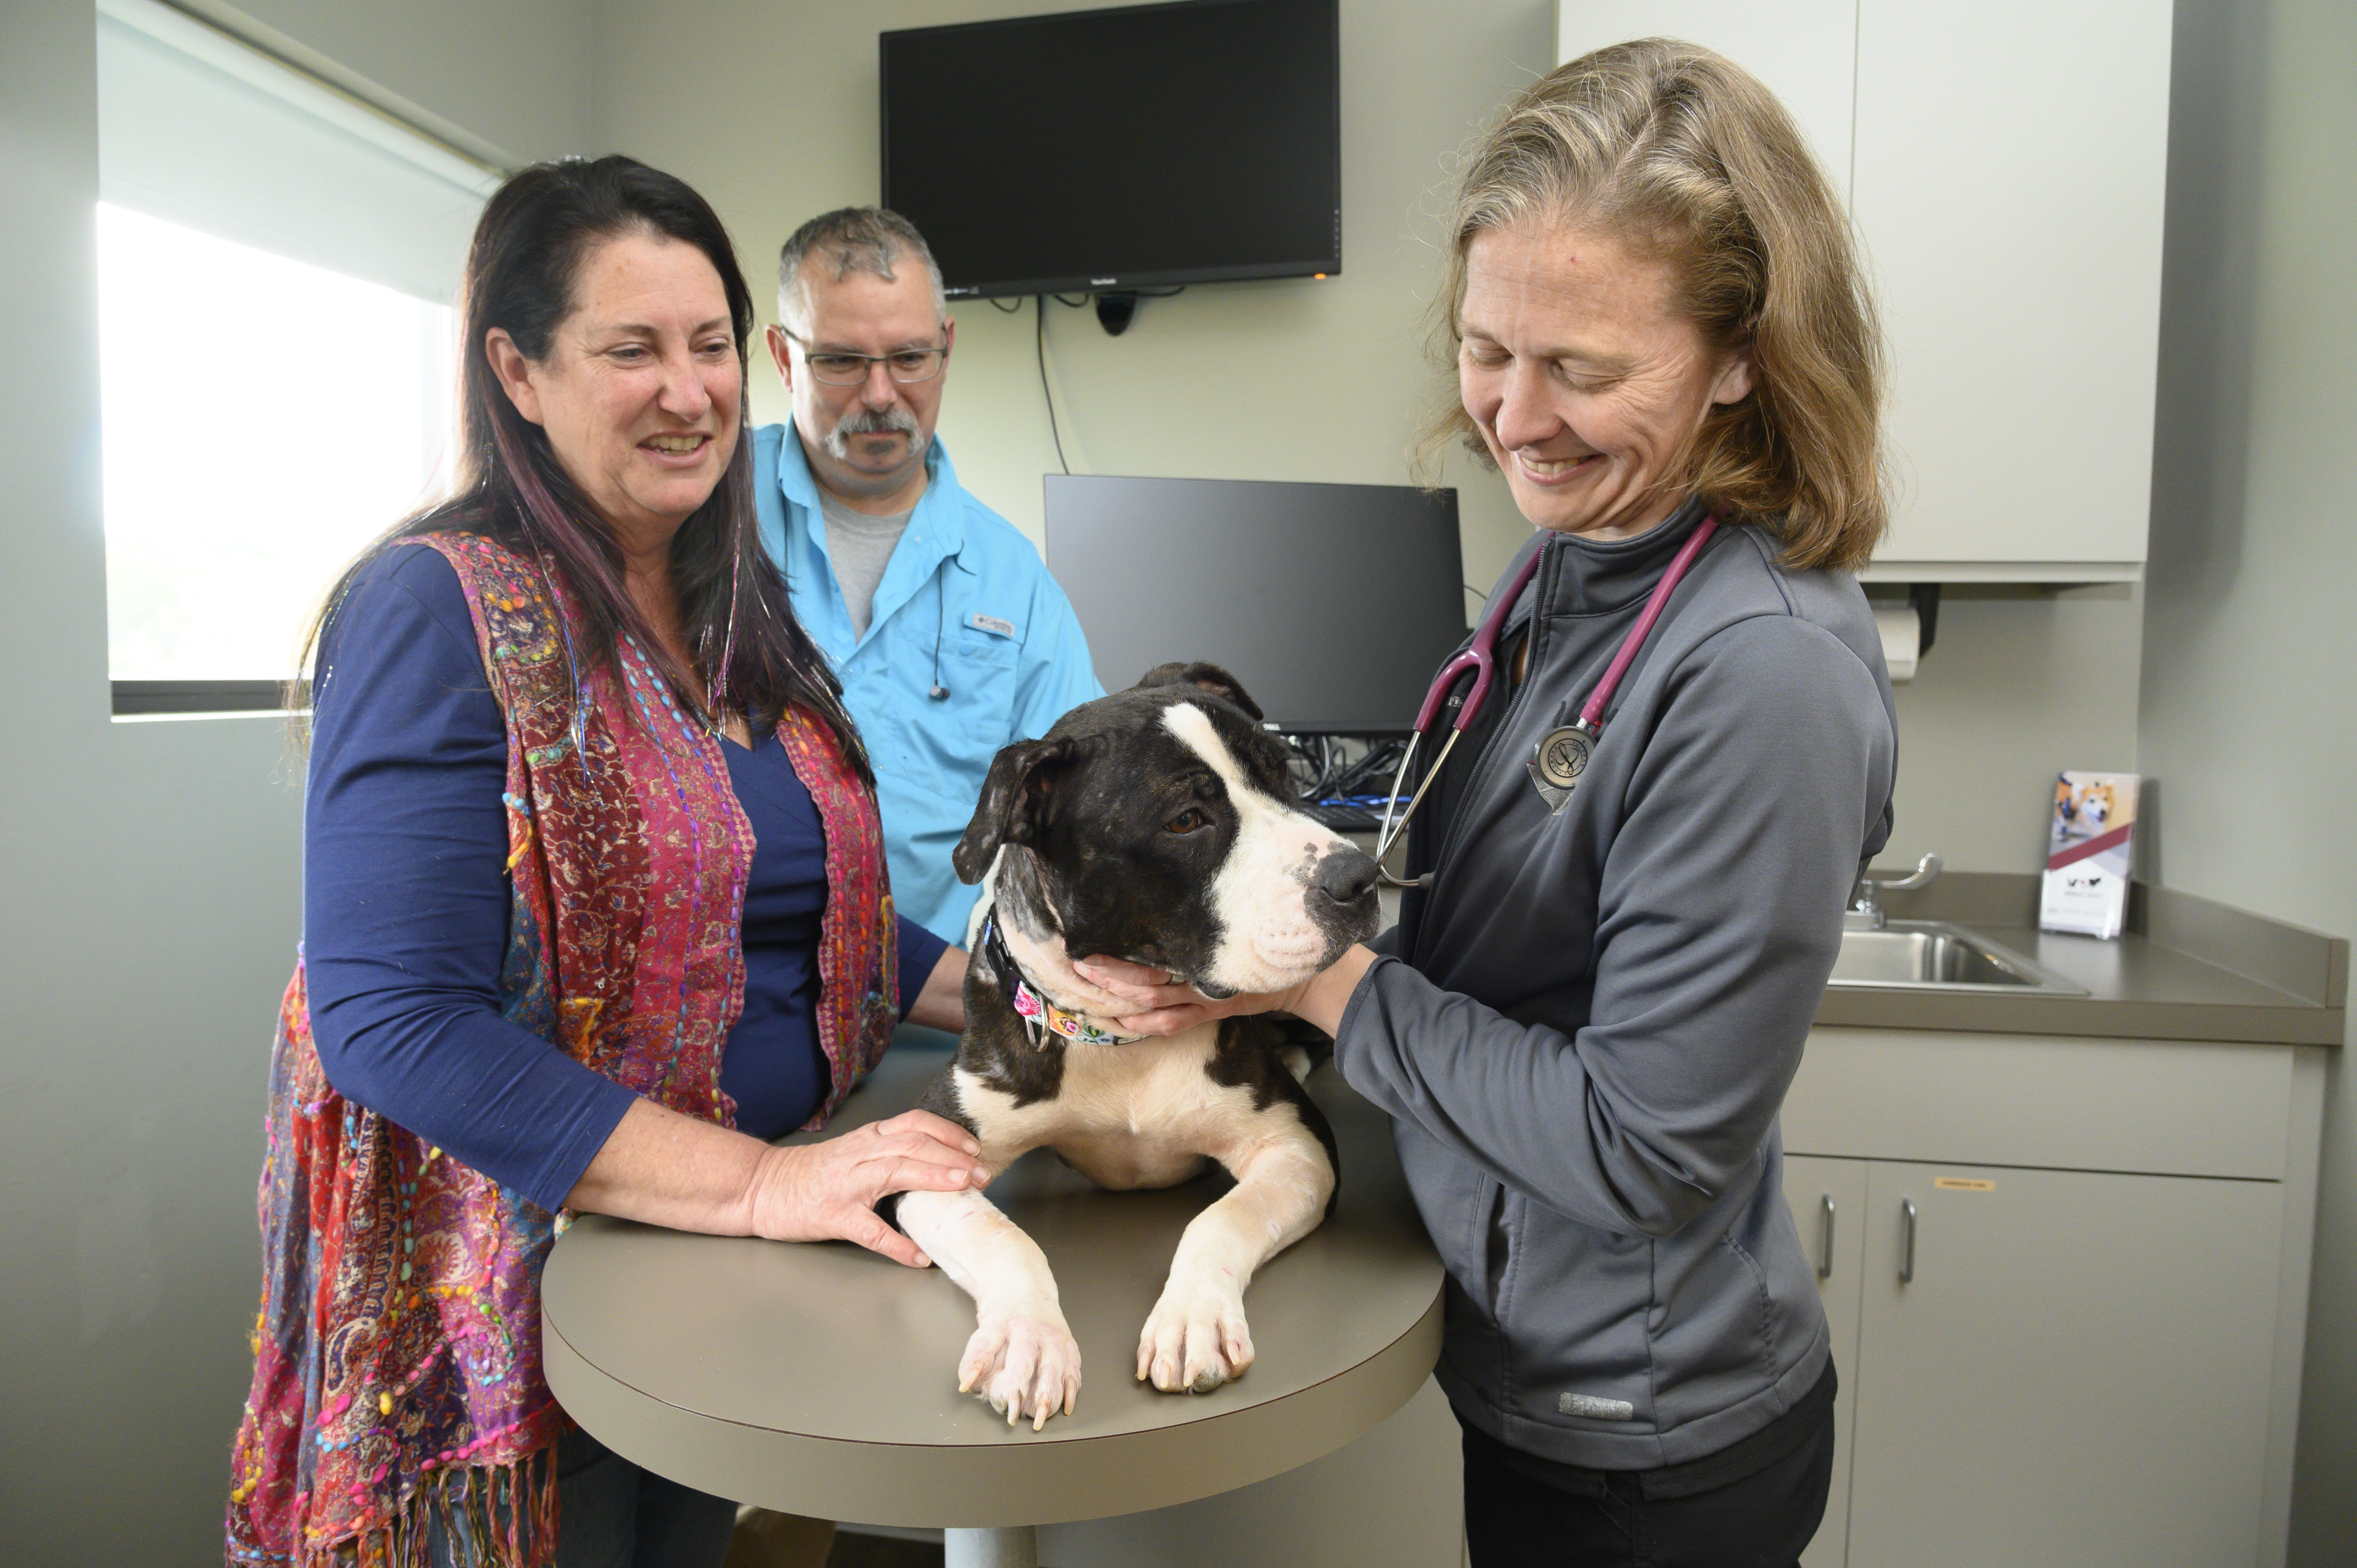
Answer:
(870, 422)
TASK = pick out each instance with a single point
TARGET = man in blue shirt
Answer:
(950, 637)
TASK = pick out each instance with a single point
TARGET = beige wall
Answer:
(146, 920)
(2021, 683)
(2249, 710)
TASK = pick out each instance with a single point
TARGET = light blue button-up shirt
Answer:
(965, 605)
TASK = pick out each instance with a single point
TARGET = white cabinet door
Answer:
(1805, 51)
(2076, 1375)
(1828, 1199)
(2009, 177)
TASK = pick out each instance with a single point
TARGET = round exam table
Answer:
(820, 1379)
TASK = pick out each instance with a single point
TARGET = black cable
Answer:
(938, 692)
(1476, 593)
(1319, 774)
(1040, 341)
(1300, 768)
(1005, 309)
(1322, 787)
(1371, 773)
(1074, 304)
(1309, 763)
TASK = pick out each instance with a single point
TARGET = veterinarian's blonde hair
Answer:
(1682, 153)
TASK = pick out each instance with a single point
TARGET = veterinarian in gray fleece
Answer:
(1585, 1025)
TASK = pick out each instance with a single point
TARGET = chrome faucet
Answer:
(1865, 914)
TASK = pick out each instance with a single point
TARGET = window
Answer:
(264, 419)
(275, 263)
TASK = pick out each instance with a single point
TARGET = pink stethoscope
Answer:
(1563, 756)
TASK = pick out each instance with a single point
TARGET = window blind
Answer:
(199, 129)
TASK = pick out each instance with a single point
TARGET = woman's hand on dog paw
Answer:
(1164, 1007)
(828, 1191)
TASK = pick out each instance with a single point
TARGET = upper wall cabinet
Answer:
(2005, 164)
(1806, 51)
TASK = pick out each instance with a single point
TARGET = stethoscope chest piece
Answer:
(1561, 758)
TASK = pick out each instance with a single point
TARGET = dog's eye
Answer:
(1194, 819)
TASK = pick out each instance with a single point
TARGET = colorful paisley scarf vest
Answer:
(397, 1368)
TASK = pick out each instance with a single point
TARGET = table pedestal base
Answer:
(1017, 1547)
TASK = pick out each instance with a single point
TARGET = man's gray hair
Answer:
(854, 240)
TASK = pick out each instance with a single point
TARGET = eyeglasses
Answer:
(840, 369)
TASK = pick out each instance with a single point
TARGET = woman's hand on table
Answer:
(1165, 1007)
(828, 1191)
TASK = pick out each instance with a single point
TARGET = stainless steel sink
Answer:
(1931, 955)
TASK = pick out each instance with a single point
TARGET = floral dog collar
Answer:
(1036, 1011)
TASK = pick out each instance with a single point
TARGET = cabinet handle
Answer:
(1906, 1241)
(1826, 1238)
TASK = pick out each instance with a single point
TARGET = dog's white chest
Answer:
(1157, 1097)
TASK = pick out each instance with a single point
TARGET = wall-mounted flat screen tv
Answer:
(1108, 150)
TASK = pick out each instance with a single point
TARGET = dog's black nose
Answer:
(1345, 875)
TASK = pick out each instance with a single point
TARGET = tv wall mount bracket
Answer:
(1115, 309)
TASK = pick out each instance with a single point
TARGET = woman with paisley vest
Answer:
(595, 902)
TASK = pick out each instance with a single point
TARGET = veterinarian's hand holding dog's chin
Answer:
(1165, 1008)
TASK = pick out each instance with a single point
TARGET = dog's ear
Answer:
(1013, 805)
(1209, 677)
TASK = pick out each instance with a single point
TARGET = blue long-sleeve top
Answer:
(406, 904)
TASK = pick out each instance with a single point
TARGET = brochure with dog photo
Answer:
(2089, 853)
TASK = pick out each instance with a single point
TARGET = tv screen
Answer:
(1333, 604)
(1139, 147)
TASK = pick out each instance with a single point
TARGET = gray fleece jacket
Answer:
(1591, 1016)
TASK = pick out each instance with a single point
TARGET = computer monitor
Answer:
(1333, 604)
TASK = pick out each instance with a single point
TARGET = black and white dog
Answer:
(1154, 825)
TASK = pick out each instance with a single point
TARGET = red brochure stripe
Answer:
(2096, 845)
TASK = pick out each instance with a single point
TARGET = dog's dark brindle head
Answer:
(1157, 824)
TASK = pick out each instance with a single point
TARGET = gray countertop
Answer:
(2188, 969)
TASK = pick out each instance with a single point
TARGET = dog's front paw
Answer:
(1022, 1362)
(1195, 1339)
